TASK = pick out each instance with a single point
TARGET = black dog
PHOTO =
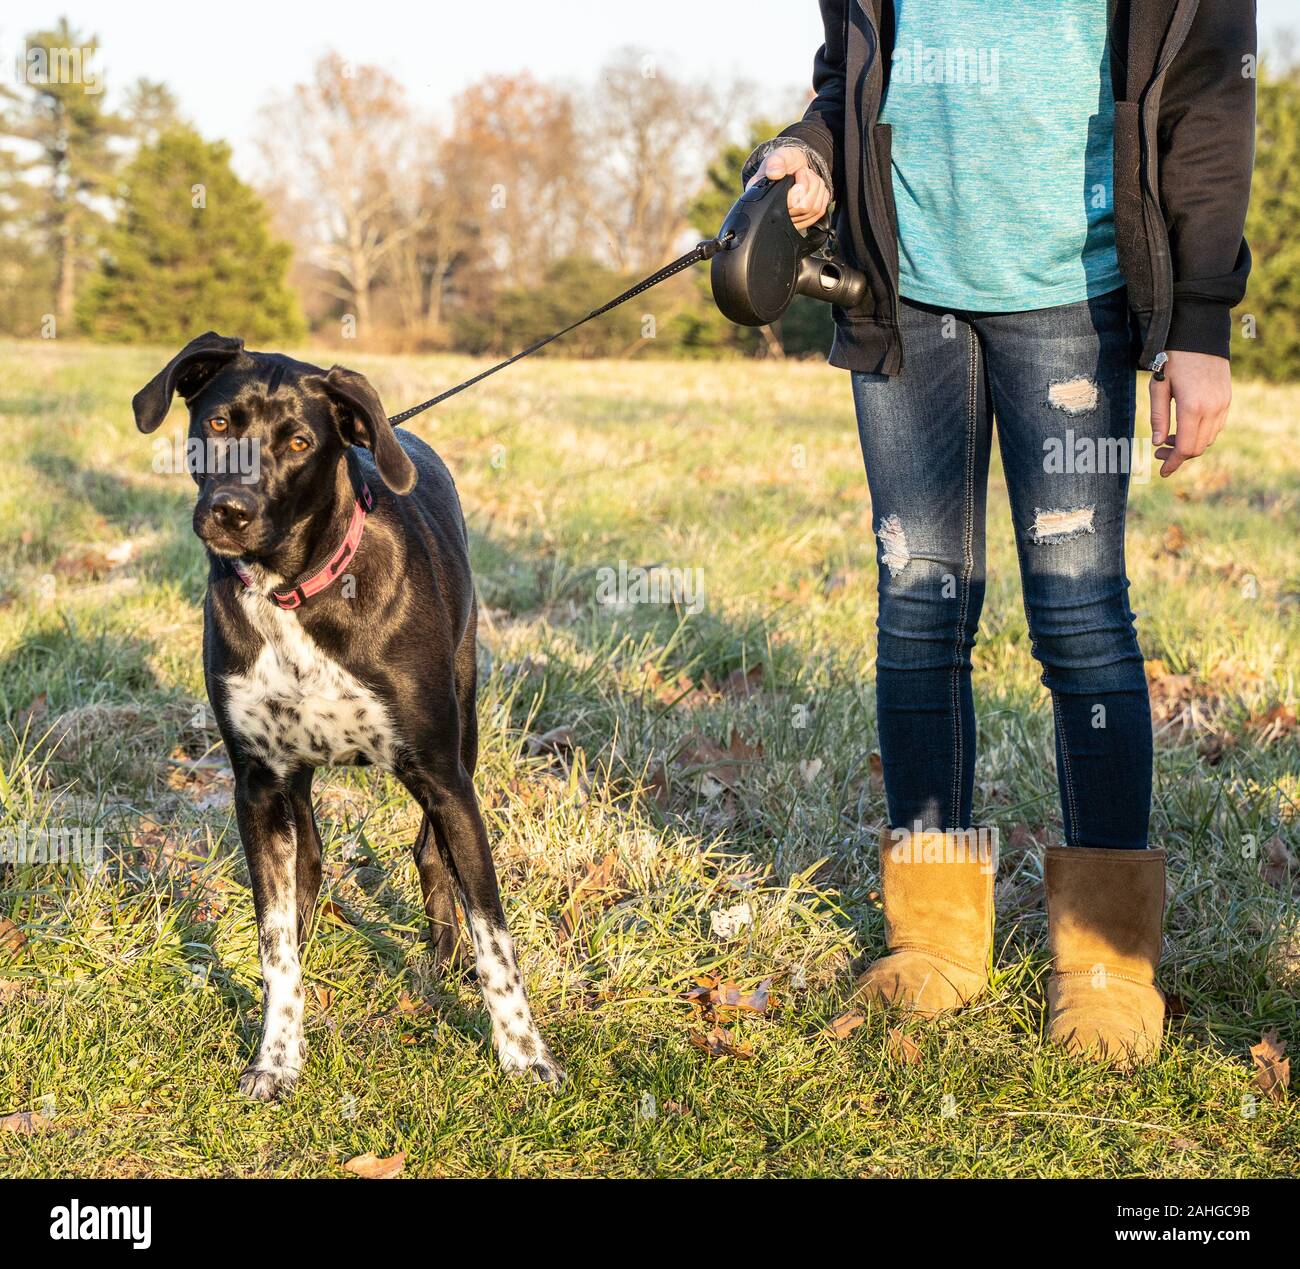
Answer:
(339, 627)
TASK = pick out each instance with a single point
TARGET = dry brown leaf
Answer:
(728, 999)
(151, 838)
(741, 751)
(902, 1048)
(656, 785)
(11, 937)
(25, 1122)
(558, 742)
(725, 766)
(406, 1003)
(596, 889)
(208, 782)
(1184, 705)
(681, 690)
(1277, 863)
(718, 1043)
(1170, 690)
(332, 912)
(1175, 538)
(800, 595)
(876, 772)
(36, 709)
(1277, 724)
(373, 1168)
(703, 983)
(742, 684)
(324, 995)
(846, 1024)
(742, 882)
(1214, 747)
(1272, 1066)
(1235, 675)
(757, 1001)
(87, 562)
(837, 582)
(1022, 837)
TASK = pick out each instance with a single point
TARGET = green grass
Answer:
(134, 1002)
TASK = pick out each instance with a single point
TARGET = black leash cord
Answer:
(705, 250)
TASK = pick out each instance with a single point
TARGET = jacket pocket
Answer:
(1131, 242)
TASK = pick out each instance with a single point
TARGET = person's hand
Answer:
(1200, 387)
(809, 198)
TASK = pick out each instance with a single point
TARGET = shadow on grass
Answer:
(1229, 988)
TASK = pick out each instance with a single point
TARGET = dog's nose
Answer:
(232, 509)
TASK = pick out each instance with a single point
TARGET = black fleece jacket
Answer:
(1184, 79)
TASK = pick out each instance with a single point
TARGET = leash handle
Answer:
(705, 250)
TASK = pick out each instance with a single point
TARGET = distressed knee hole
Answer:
(1061, 525)
(893, 545)
(1074, 396)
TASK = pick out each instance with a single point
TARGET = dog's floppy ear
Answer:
(185, 373)
(362, 421)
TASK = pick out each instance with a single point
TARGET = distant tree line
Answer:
(533, 203)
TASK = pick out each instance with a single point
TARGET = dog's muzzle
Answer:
(226, 518)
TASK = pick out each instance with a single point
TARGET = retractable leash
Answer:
(760, 263)
(302, 590)
(702, 251)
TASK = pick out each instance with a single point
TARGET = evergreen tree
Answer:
(26, 266)
(1266, 326)
(149, 110)
(191, 250)
(62, 112)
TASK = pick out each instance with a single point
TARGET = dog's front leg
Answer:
(266, 826)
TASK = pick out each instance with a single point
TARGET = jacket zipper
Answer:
(875, 198)
(1162, 299)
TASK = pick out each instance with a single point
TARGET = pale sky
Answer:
(224, 61)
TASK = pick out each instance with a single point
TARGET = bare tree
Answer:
(445, 239)
(336, 146)
(513, 157)
(651, 137)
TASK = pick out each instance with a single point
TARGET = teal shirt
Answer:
(1002, 117)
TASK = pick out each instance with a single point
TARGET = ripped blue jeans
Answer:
(1061, 385)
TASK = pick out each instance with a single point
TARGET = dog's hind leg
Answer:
(439, 891)
(432, 852)
(308, 872)
(467, 691)
(446, 792)
(268, 830)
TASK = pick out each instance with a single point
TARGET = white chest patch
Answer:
(295, 705)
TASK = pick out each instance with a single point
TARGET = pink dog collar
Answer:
(324, 577)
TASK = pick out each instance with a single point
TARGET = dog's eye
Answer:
(299, 444)
(219, 424)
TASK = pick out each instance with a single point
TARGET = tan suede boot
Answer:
(1105, 909)
(938, 890)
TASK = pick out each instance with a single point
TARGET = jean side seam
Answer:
(1072, 828)
(968, 566)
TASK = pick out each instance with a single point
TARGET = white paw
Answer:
(537, 1063)
(266, 1084)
